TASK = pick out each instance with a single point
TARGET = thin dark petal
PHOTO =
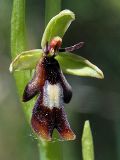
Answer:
(62, 125)
(43, 121)
(67, 89)
(75, 47)
(34, 86)
(72, 48)
(31, 89)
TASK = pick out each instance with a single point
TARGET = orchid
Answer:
(48, 112)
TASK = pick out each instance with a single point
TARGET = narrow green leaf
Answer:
(87, 143)
(57, 26)
(18, 44)
(26, 60)
(77, 65)
(18, 36)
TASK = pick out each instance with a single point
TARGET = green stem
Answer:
(51, 150)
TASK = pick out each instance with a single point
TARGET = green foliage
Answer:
(18, 36)
(87, 143)
(18, 44)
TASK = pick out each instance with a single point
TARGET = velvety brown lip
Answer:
(44, 119)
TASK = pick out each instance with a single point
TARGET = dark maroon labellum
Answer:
(53, 91)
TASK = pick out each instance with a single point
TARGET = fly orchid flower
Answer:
(48, 81)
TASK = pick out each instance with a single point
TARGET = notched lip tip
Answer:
(74, 137)
(70, 138)
(23, 99)
(48, 139)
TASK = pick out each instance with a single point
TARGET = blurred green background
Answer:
(98, 25)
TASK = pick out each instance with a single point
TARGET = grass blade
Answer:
(87, 143)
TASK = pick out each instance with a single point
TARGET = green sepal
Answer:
(27, 60)
(57, 26)
(77, 65)
(70, 63)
